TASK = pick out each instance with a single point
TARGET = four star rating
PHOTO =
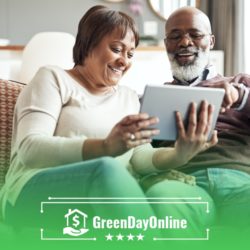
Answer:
(129, 237)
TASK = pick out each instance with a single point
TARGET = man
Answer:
(223, 171)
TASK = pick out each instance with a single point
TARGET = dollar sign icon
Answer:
(76, 221)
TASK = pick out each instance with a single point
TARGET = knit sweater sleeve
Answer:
(142, 160)
(35, 120)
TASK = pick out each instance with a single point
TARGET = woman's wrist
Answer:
(93, 148)
(106, 148)
(167, 158)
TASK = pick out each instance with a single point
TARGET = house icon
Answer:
(75, 223)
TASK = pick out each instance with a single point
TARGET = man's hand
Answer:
(231, 92)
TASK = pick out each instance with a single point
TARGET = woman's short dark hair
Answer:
(98, 22)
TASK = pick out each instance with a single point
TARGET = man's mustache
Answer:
(186, 51)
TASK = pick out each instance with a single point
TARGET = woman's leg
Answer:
(103, 177)
(184, 201)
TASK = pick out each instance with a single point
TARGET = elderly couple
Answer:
(77, 132)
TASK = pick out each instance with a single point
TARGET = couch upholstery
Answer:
(9, 91)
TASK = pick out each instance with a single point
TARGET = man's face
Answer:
(188, 42)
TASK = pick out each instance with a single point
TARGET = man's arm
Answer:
(236, 90)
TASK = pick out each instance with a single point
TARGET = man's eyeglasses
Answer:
(176, 37)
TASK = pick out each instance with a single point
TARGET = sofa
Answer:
(9, 91)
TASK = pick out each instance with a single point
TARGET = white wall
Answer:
(149, 67)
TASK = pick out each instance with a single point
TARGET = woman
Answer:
(67, 120)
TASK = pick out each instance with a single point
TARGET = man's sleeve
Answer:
(242, 82)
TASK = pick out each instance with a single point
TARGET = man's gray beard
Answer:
(191, 71)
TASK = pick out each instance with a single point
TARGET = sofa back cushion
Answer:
(9, 91)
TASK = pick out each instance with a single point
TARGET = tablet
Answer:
(162, 101)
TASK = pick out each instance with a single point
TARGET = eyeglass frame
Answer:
(193, 39)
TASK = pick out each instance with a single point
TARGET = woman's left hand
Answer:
(194, 139)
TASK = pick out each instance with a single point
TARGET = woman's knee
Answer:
(108, 166)
(170, 188)
(183, 200)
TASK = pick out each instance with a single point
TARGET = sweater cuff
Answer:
(73, 147)
(244, 97)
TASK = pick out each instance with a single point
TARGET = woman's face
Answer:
(110, 59)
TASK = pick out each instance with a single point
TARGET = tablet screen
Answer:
(163, 101)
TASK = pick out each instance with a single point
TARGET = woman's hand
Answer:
(131, 131)
(194, 139)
